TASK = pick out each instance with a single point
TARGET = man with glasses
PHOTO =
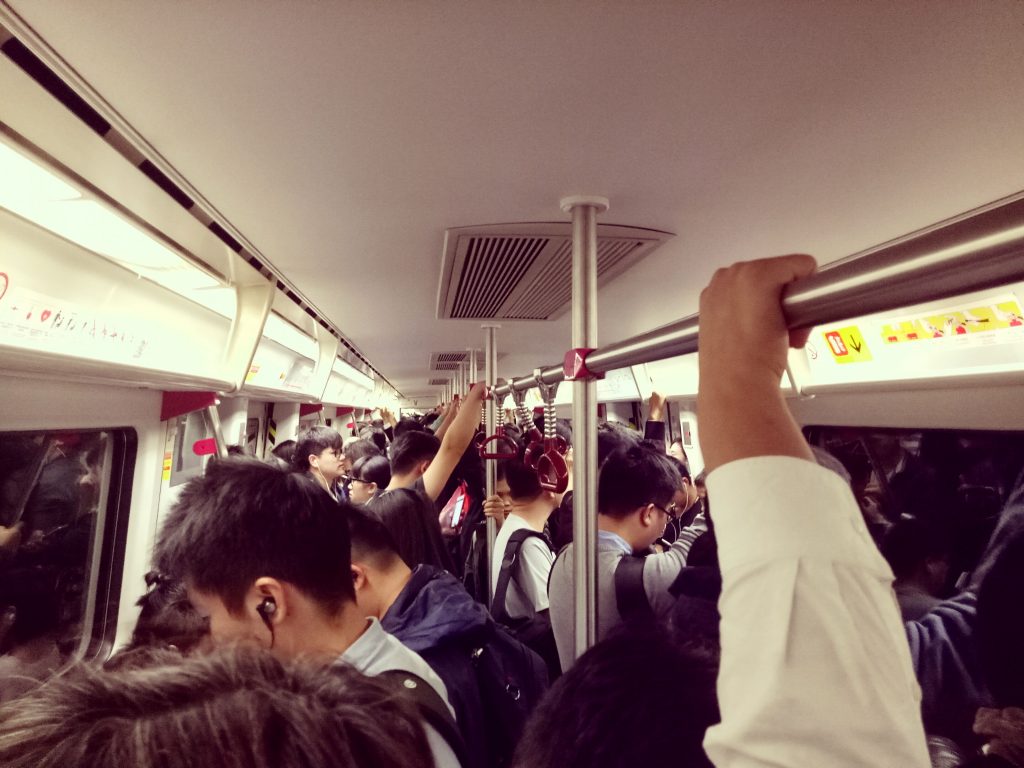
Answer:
(639, 492)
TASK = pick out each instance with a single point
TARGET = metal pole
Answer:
(213, 422)
(978, 251)
(472, 366)
(584, 417)
(490, 423)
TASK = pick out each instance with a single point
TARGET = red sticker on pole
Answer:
(207, 447)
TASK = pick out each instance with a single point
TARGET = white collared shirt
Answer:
(815, 667)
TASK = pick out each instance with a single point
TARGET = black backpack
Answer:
(630, 596)
(511, 679)
(533, 631)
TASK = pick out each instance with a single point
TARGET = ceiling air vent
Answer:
(449, 361)
(524, 271)
(438, 382)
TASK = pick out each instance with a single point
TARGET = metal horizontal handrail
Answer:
(977, 251)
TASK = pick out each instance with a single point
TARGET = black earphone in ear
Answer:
(266, 610)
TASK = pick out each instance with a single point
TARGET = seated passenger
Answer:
(423, 462)
(430, 612)
(919, 557)
(266, 557)
(318, 454)
(370, 475)
(639, 492)
(228, 709)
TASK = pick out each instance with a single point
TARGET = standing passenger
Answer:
(266, 557)
(318, 453)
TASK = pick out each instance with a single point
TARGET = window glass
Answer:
(59, 502)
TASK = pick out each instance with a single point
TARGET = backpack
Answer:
(432, 708)
(533, 631)
(475, 577)
(511, 679)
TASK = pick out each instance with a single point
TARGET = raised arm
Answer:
(454, 442)
(815, 668)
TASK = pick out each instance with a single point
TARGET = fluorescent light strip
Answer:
(287, 335)
(345, 370)
(29, 190)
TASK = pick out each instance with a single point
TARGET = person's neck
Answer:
(331, 636)
(535, 512)
(402, 481)
(622, 527)
(322, 481)
(391, 584)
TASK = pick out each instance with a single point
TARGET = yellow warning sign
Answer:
(167, 466)
(848, 345)
(253, 370)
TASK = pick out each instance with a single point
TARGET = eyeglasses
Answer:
(671, 511)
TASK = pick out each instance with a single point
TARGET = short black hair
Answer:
(613, 436)
(600, 712)
(245, 519)
(410, 518)
(357, 449)
(313, 442)
(684, 471)
(373, 469)
(910, 542)
(523, 482)
(410, 448)
(633, 478)
(370, 539)
(406, 424)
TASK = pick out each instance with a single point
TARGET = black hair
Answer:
(284, 451)
(633, 478)
(357, 449)
(410, 448)
(236, 708)
(523, 482)
(245, 519)
(373, 469)
(602, 710)
(909, 542)
(409, 425)
(684, 471)
(370, 539)
(410, 518)
(313, 442)
(612, 437)
(562, 427)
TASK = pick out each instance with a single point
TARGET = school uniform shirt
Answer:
(660, 572)
(375, 651)
(527, 592)
(815, 666)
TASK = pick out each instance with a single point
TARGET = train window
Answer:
(64, 500)
(951, 482)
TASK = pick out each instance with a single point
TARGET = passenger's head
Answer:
(358, 447)
(410, 425)
(677, 451)
(283, 453)
(612, 708)
(410, 519)
(369, 475)
(318, 451)
(376, 565)
(412, 452)
(918, 553)
(523, 484)
(238, 710)
(167, 620)
(246, 533)
(636, 488)
(687, 494)
(613, 436)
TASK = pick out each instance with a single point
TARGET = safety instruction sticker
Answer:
(998, 316)
(848, 345)
(167, 467)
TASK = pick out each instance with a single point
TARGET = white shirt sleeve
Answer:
(535, 563)
(815, 667)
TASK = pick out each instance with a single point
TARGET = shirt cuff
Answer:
(780, 507)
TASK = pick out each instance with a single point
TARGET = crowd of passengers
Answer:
(335, 605)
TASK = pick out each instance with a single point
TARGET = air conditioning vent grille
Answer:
(524, 271)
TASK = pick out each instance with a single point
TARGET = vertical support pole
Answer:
(584, 416)
(490, 424)
(213, 422)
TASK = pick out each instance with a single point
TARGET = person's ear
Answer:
(314, 460)
(373, 488)
(358, 577)
(422, 466)
(268, 599)
(647, 515)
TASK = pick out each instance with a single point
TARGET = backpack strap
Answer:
(509, 565)
(630, 596)
(429, 704)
